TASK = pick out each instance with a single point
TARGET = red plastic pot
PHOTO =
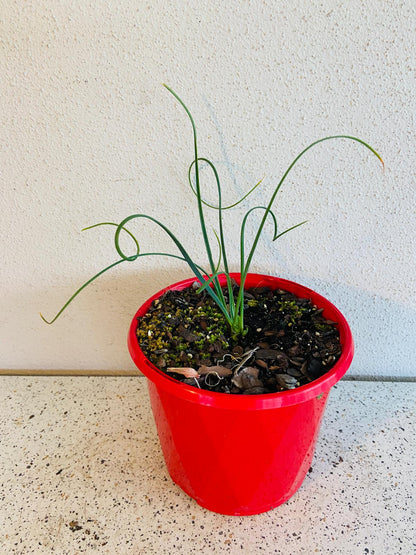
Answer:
(240, 454)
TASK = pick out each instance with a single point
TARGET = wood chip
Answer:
(187, 334)
(187, 372)
(220, 370)
(262, 364)
(275, 333)
(267, 354)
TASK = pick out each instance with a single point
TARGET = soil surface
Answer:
(288, 342)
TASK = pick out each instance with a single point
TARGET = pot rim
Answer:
(301, 394)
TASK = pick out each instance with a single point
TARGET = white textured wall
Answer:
(89, 134)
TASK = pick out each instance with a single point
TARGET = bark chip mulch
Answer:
(288, 343)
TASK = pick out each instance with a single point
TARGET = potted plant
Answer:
(238, 365)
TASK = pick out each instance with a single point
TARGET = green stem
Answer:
(195, 269)
(244, 270)
(198, 187)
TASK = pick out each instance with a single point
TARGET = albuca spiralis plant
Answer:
(233, 310)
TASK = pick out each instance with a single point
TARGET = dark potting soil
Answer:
(288, 342)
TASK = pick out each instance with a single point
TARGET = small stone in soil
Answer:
(315, 370)
(285, 381)
(247, 378)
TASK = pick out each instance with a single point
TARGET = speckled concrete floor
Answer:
(81, 471)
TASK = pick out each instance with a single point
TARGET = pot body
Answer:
(240, 454)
